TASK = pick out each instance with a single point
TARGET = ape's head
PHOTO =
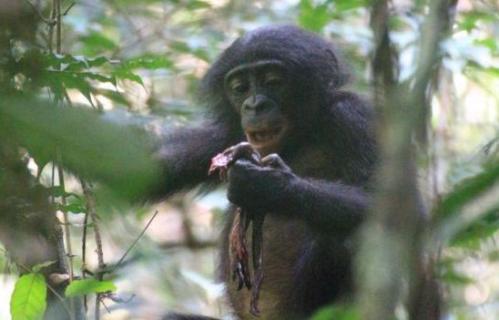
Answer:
(275, 81)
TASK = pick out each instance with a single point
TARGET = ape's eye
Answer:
(273, 79)
(239, 86)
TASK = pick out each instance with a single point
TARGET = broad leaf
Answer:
(28, 301)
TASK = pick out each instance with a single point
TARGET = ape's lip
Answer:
(264, 136)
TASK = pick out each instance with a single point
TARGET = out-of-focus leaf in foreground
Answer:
(468, 191)
(28, 301)
(470, 212)
(118, 156)
(337, 313)
(88, 286)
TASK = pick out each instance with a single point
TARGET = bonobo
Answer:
(280, 89)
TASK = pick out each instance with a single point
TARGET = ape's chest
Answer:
(313, 162)
(283, 241)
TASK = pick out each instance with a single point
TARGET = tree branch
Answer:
(392, 239)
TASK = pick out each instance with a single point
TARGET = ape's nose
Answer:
(257, 103)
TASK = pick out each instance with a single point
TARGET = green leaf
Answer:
(477, 231)
(94, 149)
(57, 191)
(490, 43)
(148, 61)
(468, 20)
(69, 62)
(73, 208)
(128, 75)
(40, 266)
(76, 205)
(452, 277)
(28, 301)
(313, 17)
(114, 95)
(88, 286)
(345, 5)
(96, 42)
(336, 313)
(467, 190)
(491, 70)
(61, 80)
(197, 4)
(96, 76)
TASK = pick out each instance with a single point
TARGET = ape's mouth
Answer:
(264, 136)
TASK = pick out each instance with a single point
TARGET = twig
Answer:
(37, 11)
(196, 245)
(91, 210)
(68, 8)
(56, 21)
(384, 60)
(393, 239)
(135, 241)
(84, 255)
(67, 231)
(66, 224)
(68, 99)
(104, 304)
(53, 14)
(58, 26)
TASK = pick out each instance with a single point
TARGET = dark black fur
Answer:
(313, 211)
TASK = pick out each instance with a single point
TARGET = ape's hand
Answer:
(260, 186)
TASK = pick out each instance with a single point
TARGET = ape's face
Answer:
(258, 91)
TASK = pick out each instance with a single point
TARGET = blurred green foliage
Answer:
(91, 147)
(337, 313)
(88, 286)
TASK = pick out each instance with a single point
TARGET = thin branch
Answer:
(104, 304)
(135, 241)
(39, 14)
(91, 208)
(66, 224)
(392, 242)
(191, 245)
(385, 58)
(84, 255)
(61, 299)
(67, 232)
(68, 8)
(58, 26)
(53, 14)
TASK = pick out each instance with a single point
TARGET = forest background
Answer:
(138, 63)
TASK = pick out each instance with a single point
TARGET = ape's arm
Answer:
(325, 205)
(329, 206)
(185, 155)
